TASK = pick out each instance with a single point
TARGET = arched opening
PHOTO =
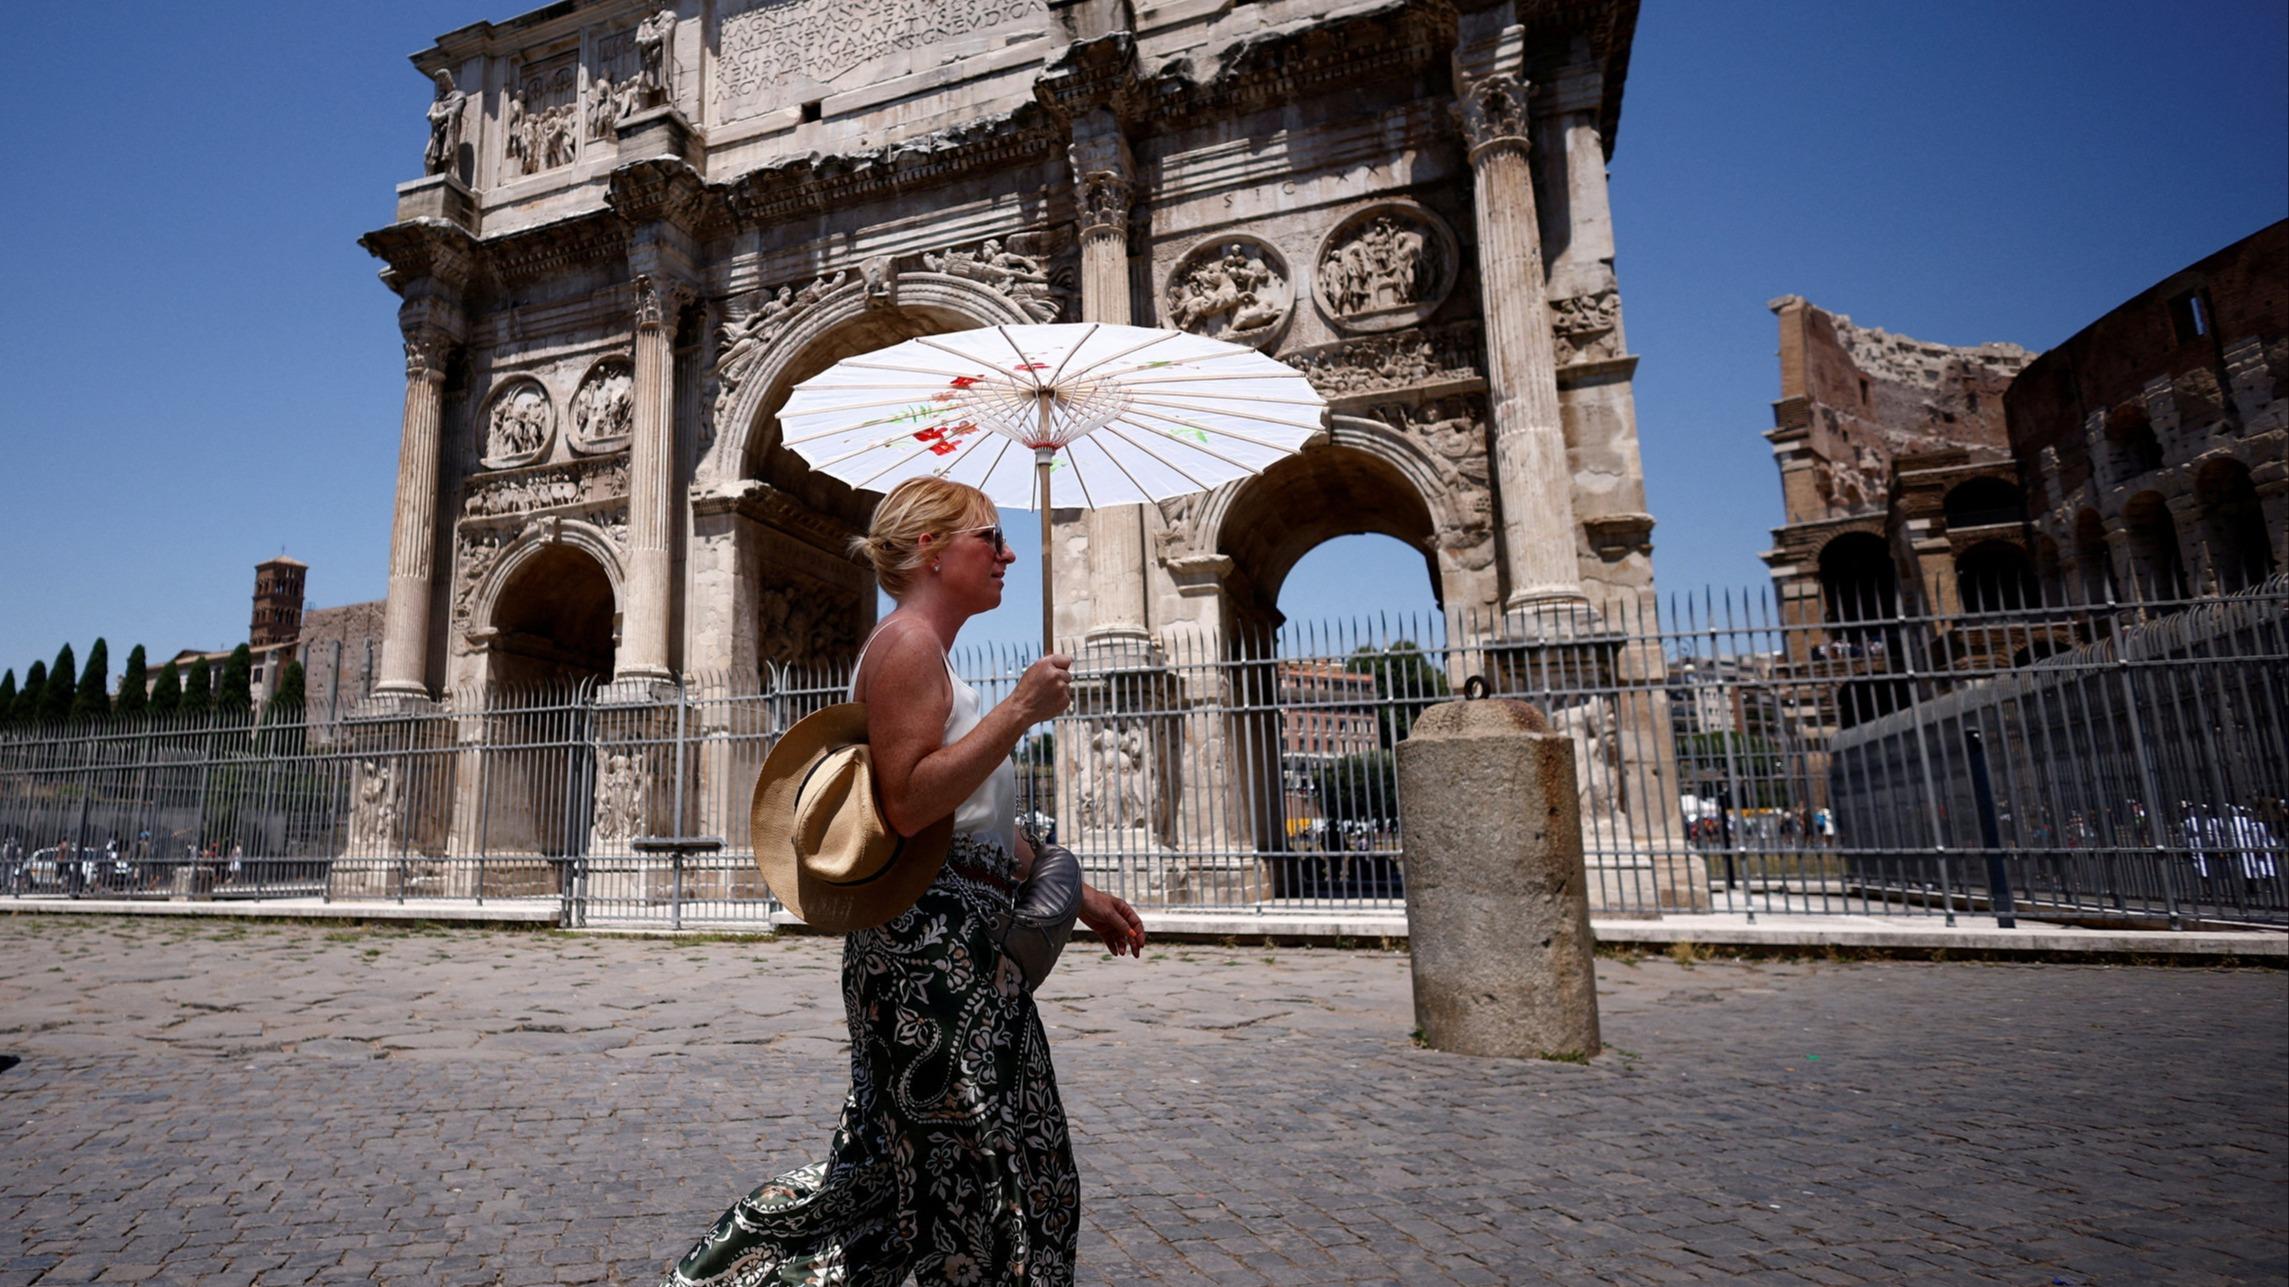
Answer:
(553, 621)
(2131, 432)
(1319, 769)
(1857, 579)
(2093, 561)
(2233, 526)
(1983, 502)
(1859, 594)
(2157, 568)
(1994, 576)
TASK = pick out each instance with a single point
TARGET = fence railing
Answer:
(2079, 761)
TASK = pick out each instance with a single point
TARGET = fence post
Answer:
(1990, 832)
(2155, 834)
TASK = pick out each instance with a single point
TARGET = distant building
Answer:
(2154, 445)
(1326, 713)
(1929, 488)
(339, 648)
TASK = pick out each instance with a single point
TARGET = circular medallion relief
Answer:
(1384, 267)
(604, 407)
(1234, 287)
(518, 424)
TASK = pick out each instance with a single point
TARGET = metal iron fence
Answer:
(2073, 761)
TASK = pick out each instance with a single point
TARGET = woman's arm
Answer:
(908, 697)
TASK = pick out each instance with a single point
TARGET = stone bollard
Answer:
(1498, 918)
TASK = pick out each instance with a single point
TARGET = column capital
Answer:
(1104, 199)
(433, 326)
(427, 350)
(658, 300)
(1492, 111)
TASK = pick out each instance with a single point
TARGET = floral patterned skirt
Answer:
(951, 1161)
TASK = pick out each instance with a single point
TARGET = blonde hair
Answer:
(913, 509)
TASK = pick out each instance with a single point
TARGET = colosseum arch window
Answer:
(2233, 526)
(1994, 576)
(1983, 502)
(2157, 568)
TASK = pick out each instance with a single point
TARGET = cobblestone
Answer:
(216, 1103)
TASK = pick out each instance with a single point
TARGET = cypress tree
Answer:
(92, 703)
(167, 691)
(27, 712)
(289, 697)
(134, 684)
(7, 699)
(235, 695)
(285, 711)
(198, 690)
(56, 699)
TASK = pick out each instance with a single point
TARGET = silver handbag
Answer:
(1033, 932)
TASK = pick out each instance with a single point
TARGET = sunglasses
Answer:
(992, 533)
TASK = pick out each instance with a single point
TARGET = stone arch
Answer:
(548, 607)
(1983, 502)
(1858, 580)
(845, 320)
(2157, 565)
(1408, 492)
(1994, 576)
(2233, 524)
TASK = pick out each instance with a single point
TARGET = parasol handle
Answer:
(1041, 458)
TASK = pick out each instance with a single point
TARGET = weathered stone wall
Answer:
(2174, 405)
(1857, 398)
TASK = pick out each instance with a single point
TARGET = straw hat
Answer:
(820, 837)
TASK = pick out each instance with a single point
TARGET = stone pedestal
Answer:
(437, 196)
(656, 132)
(1498, 920)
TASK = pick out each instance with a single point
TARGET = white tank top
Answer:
(990, 812)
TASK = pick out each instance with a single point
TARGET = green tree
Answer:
(235, 695)
(134, 687)
(1360, 788)
(92, 703)
(27, 712)
(167, 691)
(284, 714)
(56, 698)
(1041, 748)
(1405, 684)
(7, 699)
(199, 689)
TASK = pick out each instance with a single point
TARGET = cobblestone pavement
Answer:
(201, 1102)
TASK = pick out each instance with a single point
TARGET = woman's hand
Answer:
(1112, 919)
(1045, 689)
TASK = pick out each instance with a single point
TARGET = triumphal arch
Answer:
(639, 227)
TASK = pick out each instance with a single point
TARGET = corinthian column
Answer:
(643, 651)
(1105, 189)
(413, 529)
(1532, 480)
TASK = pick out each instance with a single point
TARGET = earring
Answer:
(935, 568)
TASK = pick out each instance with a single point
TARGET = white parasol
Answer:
(1072, 415)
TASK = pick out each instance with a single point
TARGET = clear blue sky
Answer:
(202, 369)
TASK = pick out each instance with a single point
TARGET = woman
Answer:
(951, 1162)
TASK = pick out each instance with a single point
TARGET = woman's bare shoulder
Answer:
(904, 657)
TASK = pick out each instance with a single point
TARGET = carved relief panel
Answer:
(519, 424)
(776, 53)
(1384, 267)
(540, 124)
(604, 407)
(1235, 287)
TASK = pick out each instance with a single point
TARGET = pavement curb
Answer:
(1972, 938)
